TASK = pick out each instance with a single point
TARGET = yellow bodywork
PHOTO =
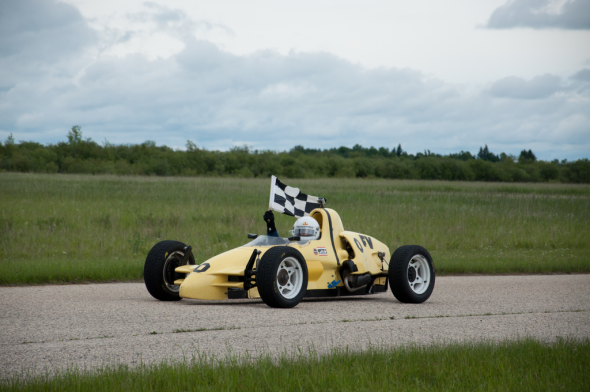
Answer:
(211, 279)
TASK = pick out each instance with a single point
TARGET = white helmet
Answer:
(306, 228)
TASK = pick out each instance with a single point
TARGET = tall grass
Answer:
(525, 365)
(72, 228)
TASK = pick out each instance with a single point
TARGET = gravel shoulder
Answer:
(48, 328)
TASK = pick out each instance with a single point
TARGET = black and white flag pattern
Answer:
(291, 201)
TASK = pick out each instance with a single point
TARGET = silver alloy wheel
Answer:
(289, 277)
(172, 262)
(418, 274)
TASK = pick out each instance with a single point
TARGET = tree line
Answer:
(83, 155)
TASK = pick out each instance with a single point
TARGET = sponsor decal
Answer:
(333, 284)
(366, 240)
(315, 251)
(358, 245)
(304, 223)
(202, 268)
(322, 251)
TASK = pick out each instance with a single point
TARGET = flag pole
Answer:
(273, 181)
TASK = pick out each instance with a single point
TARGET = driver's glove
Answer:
(269, 218)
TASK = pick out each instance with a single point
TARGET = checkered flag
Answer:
(291, 201)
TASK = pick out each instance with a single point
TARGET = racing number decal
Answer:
(366, 240)
(358, 245)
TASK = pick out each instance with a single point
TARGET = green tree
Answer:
(190, 146)
(10, 141)
(486, 155)
(527, 156)
(462, 156)
(75, 135)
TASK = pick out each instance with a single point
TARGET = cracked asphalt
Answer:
(49, 328)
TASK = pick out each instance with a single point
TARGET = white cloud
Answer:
(582, 75)
(287, 90)
(537, 88)
(542, 14)
(438, 38)
(270, 100)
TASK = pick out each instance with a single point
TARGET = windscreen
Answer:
(265, 240)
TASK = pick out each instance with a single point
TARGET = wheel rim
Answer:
(289, 277)
(172, 262)
(419, 274)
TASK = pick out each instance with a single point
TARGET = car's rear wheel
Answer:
(411, 274)
(158, 271)
(282, 277)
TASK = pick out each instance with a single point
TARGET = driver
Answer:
(306, 227)
(271, 229)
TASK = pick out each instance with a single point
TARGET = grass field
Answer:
(525, 365)
(76, 228)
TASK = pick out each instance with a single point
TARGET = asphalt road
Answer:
(46, 328)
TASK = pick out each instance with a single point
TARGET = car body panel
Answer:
(366, 250)
(324, 256)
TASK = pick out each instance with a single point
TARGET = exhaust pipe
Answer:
(355, 282)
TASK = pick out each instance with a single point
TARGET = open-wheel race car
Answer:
(282, 271)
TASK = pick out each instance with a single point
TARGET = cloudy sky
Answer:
(440, 75)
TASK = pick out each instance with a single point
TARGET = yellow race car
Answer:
(282, 271)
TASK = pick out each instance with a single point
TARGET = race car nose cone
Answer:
(283, 277)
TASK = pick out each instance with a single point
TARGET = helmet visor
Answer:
(304, 231)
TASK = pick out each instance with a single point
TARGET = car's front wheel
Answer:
(411, 274)
(281, 277)
(158, 271)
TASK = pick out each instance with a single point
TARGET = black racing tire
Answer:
(282, 277)
(158, 271)
(411, 274)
